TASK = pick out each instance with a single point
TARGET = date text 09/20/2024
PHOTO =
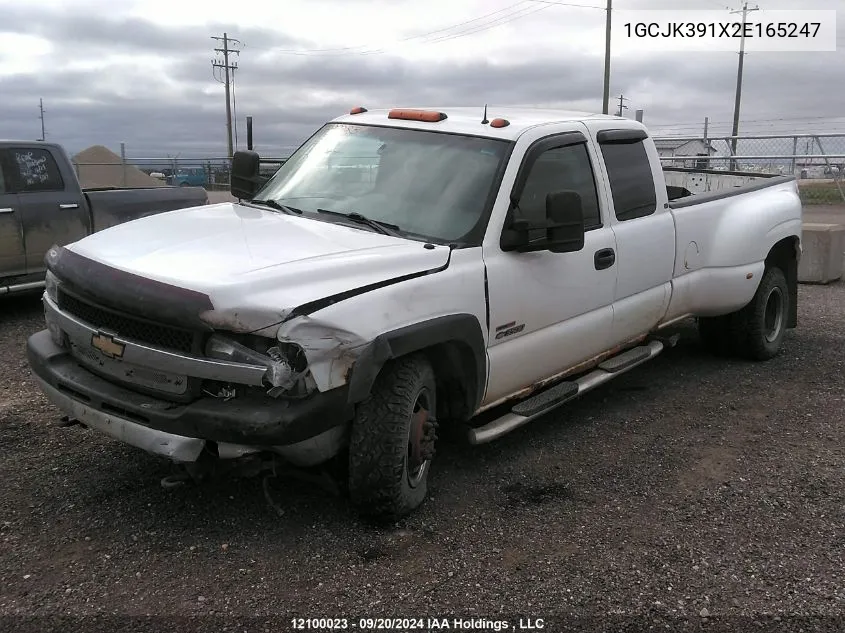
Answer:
(423, 625)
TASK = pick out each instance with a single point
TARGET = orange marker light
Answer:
(358, 110)
(417, 115)
(499, 123)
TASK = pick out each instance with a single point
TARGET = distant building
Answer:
(670, 148)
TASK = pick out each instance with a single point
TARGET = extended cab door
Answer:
(548, 311)
(51, 205)
(643, 225)
(12, 253)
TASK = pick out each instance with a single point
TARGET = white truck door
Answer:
(644, 229)
(548, 311)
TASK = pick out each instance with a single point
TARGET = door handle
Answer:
(605, 258)
(69, 205)
(7, 210)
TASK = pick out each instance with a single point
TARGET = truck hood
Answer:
(254, 264)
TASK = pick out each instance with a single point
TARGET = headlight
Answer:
(279, 372)
(51, 286)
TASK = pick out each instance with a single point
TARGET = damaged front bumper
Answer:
(308, 429)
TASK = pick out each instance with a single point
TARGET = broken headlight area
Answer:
(51, 286)
(287, 368)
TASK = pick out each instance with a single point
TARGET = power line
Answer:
(504, 20)
(569, 4)
(347, 49)
(424, 36)
(227, 67)
(474, 25)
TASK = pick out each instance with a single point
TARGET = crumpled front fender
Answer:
(331, 351)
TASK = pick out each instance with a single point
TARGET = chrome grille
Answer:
(143, 331)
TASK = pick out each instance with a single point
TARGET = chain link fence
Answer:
(816, 160)
(98, 167)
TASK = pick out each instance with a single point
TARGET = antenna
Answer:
(485, 121)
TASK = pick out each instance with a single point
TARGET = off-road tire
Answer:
(752, 328)
(379, 482)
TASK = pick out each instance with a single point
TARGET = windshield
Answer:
(427, 184)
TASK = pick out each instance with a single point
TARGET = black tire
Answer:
(387, 480)
(758, 329)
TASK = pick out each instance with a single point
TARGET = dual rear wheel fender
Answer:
(756, 331)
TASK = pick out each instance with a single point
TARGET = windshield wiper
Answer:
(384, 228)
(279, 207)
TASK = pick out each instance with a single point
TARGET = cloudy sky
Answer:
(139, 71)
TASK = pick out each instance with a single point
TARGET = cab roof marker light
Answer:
(499, 123)
(358, 110)
(428, 116)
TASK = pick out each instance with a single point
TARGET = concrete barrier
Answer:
(822, 260)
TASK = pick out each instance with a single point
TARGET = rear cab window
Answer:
(36, 170)
(630, 174)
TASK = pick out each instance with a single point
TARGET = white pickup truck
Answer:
(404, 270)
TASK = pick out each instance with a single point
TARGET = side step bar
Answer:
(561, 393)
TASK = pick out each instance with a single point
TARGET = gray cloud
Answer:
(175, 106)
(84, 32)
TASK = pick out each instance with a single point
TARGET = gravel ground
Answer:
(693, 493)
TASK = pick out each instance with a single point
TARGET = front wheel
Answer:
(392, 440)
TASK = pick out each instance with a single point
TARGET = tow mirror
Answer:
(245, 178)
(565, 217)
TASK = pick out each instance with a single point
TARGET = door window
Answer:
(37, 170)
(560, 169)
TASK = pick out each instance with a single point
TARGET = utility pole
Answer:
(745, 11)
(622, 106)
(606, 98)
(41, 108)
(227, 67)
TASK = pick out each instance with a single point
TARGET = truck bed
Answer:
(691, 186)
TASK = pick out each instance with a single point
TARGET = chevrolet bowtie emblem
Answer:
(107, 345)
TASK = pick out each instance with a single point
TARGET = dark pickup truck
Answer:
(42, 204)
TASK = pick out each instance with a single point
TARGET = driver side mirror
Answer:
(563, 226)
(565, 216)
(245, 178)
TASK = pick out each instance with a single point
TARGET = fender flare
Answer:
(464, 329)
